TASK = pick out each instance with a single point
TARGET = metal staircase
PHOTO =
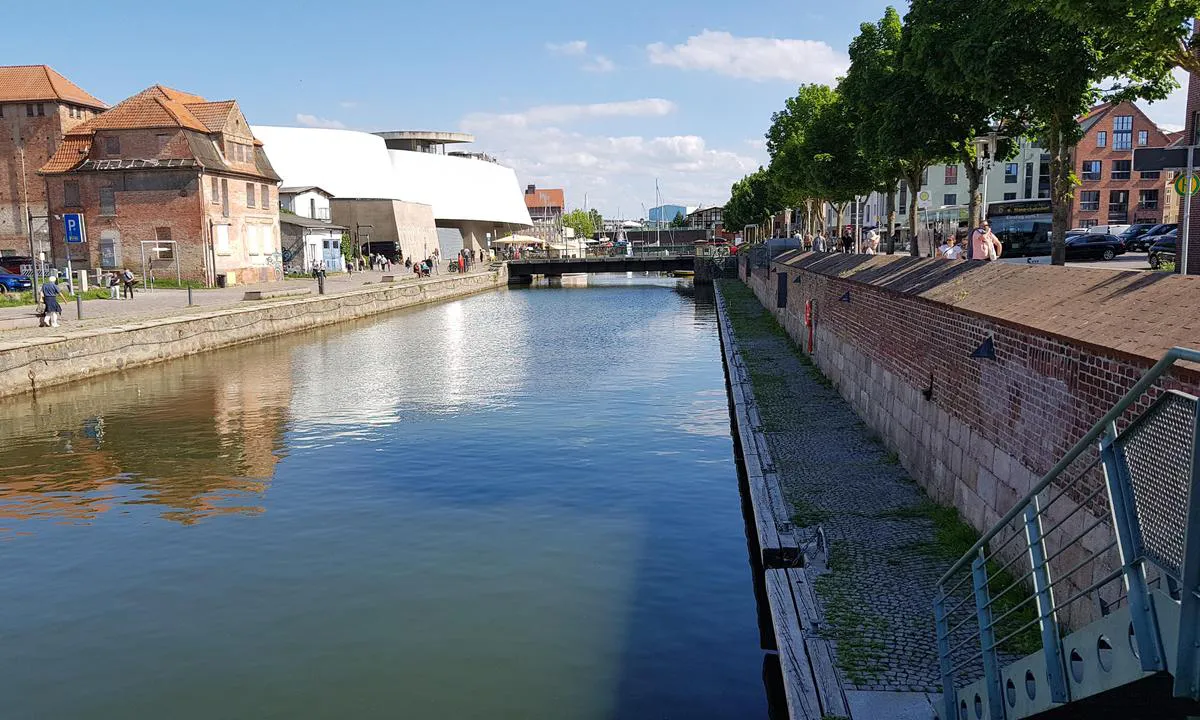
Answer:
(1086, 595)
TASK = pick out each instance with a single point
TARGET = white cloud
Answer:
(574, 47)
(616, 171)
(753, 58)
(600, 64)
(318, 122)
(348, 104)
(579, 48)
(1171, 113)
(564, 114)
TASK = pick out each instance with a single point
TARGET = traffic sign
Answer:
(73, 224)
(924, 200)
(1183, 187)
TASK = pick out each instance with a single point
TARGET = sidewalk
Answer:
(162, 302)
(888, 542)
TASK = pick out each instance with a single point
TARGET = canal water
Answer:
(522, 504)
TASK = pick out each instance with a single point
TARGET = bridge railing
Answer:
(1063, 596)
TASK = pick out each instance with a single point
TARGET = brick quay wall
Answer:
(30, 364)
(896, 335)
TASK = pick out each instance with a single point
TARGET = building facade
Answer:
(546, 207)
(706, 218)
(167, 182)
(307, 237)
(37, 108)
(1111, 192)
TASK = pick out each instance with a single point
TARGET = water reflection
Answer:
(196, 439)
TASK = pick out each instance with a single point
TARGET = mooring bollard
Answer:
(190, 303)
(320, 283)
(79, 307)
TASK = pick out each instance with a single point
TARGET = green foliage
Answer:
(581, 222)
(347, 247)
(752, 200)
(678, 221)
(597, 220)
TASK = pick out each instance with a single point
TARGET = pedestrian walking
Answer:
(127, 281)
(984, 243)
(113, 281)
(50, 295)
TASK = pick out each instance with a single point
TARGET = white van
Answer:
(1107, 229)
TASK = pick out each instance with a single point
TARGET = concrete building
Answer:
(308, 238)
(165, 179)
(37, 107)
(1110, 191)
(399, 193)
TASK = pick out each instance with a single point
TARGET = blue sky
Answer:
(599, 98)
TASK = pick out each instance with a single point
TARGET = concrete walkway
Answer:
(883, 531)
(20, 321)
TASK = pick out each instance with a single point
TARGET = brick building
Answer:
(168, 176)
(546, 207)
(37, 107)
(1111, 191)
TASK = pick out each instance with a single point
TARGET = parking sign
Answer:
(73, 224)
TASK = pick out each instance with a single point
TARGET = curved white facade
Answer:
(352, 164)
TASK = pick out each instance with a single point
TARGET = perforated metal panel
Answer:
(1158, 450)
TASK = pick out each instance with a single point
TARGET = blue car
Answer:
(14, 283)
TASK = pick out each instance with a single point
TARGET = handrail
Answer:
(1172, 356)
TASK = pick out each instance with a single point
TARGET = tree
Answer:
(678, 221)
(904, 124)
(752, 200)
(581, 222)
(789, 168)
(1043, 77)
(829, 161)
(597, 220)
(1147, 37)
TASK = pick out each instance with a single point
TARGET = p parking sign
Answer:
(73, 225)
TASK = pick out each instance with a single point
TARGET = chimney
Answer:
(530, 189)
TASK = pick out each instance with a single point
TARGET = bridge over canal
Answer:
(521, 272)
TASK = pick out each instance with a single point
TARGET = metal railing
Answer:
(1092, 537)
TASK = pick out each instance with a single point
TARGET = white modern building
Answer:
(308, 238)
(400, 192)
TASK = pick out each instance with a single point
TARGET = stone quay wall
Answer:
(896, 336)
(33, 363)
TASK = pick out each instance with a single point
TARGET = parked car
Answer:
(1136, 230)
(1143, 242)
(1163, 250)
(1107, 229)
(1094, 245)
(11, 282)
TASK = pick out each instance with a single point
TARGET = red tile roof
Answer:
(545, 198)
(34, 83)
(72, 151)
(214, 115)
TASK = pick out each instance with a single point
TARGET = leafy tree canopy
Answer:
(581, 222)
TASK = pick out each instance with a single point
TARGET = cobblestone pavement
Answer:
(163, 302)
(877, 597)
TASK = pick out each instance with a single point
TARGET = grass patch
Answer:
(12, 299)
(857, 632)
(807, 515)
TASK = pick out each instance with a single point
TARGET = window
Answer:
(108, 201)
(1028, 180)
(1091, 170)
(1123, 132)
(1089, 201)
(950, 198)
(29, 110)
(1118, 205)
(71, 193)
(951, 176)
(252, 239)
(925, 172)
(1148, 199)
(312, 207)
(250, 193)
(224, 197)
(1088, 223)
(221, 239)
(1, 111)
(1101, 139)
(216, 191)
(162, 139)
(1120, 169)
(1010, 196)
(1143, 138)
(166, 251)
(266, 198)
(902, 200)
(1011, 171)
(41, 110)
(112, 145)
(1150, 174)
